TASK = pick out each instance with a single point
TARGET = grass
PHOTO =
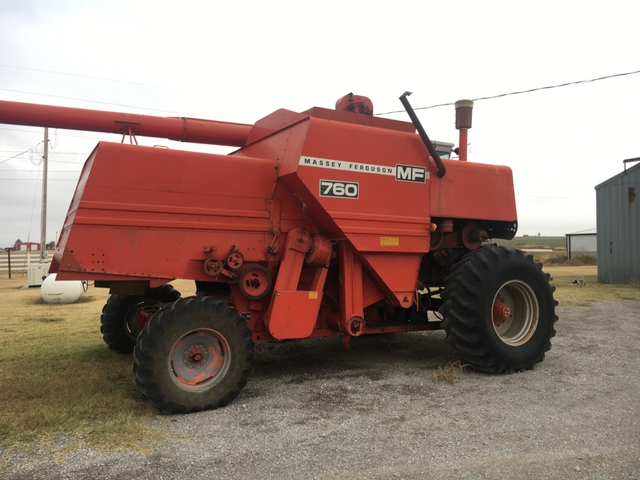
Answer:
(568, 293)
(57, 377)
(451, 373)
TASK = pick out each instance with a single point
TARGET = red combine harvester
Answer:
(322, 223)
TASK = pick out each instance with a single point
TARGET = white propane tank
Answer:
(61, 291)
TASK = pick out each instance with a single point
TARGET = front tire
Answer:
(499, 310)
(193, 355)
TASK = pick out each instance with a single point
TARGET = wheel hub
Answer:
(501, 311)
(515, 313)
(196, 355)
(199, 360)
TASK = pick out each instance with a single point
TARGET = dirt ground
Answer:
(315, 410)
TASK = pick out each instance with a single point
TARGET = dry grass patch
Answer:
(58, 378)
(560, 259)
(451, 373)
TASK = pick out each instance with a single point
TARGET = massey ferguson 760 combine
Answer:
(322, 223)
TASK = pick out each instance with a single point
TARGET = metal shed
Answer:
(618, 224)
(582, 243)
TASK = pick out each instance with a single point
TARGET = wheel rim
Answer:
(515, 313)
(199, 360)
(137, 317)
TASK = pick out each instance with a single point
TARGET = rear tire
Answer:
(121, 323)
(499, 310)
(193, 355)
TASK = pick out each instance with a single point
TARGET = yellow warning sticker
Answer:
(313, 295)
(389, 241)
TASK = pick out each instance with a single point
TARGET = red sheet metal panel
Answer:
(474, 191)
(372, 182)
(136, 203)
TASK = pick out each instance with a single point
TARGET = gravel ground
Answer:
(315, 410)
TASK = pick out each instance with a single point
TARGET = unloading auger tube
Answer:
(181, 129)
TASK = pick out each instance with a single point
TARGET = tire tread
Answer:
(150, 359)
(462, 302)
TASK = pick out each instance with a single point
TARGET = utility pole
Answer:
(43, 217)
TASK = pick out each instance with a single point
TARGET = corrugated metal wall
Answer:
(618, 220)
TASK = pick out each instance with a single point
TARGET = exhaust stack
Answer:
(464, 110)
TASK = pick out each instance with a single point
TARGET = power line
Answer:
(89, 101)
(53, 153)
(36, 130)
(548, 196)
(33, 170)
(85, 76)
(38, 179)
(520, 92)
(22, 153)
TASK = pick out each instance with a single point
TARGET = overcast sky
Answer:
(241, 60)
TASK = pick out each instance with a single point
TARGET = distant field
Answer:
(558, 243)
(556, 254)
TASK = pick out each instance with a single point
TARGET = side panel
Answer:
(374, 184)
(157, 214)
(474, 191)
(371, 187)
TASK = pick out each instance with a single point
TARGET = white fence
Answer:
(20, 260)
